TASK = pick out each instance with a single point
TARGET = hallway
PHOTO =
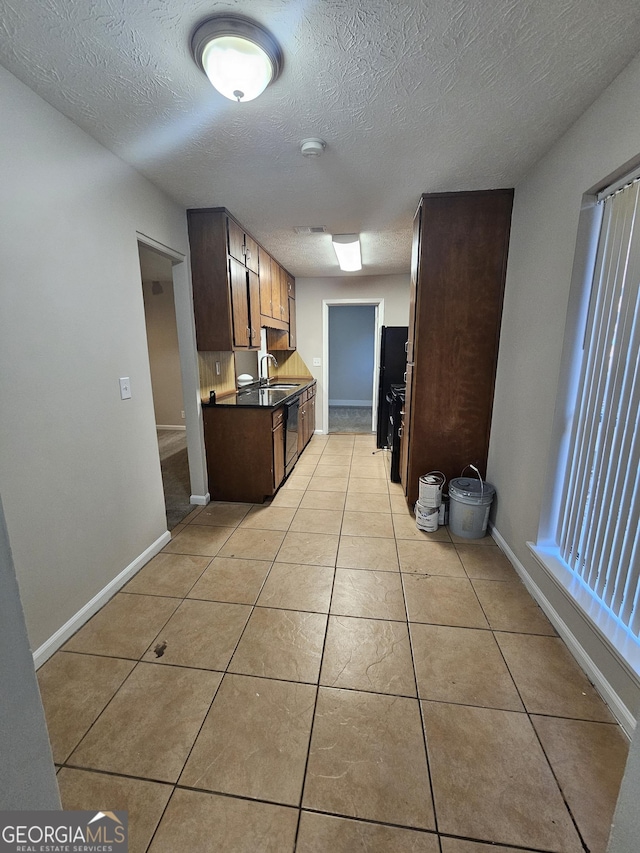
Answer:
(317, 675)
(174, 464)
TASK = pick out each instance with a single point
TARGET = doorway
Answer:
(166, 382)
(351, 355)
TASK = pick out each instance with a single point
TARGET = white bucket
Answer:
(469, 506)
(430, 488)
(426, 517)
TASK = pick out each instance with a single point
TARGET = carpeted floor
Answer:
(350, 419)
(175, 475)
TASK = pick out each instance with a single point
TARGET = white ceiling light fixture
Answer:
(347, 249)
(238, 55)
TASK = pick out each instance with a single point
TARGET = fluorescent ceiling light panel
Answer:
(347, 249)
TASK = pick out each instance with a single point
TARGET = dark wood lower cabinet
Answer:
(311, 413)
(306, 417)
(245, 452)
(245, 447)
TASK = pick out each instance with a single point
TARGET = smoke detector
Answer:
(312, 147)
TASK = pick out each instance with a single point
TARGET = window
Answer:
(596, 535)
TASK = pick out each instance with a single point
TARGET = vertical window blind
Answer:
(597, 531)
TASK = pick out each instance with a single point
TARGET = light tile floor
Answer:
(318, 675)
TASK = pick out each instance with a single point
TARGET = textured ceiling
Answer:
(410, 97)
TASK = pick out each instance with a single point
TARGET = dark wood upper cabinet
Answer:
(241, 245)
(210, 276)
(235, 240)
(237, 285)
(284, 296)
(293, 333)
(265, 282)
(239, 304)
(253, 286)
(251, 254)
(459, 259)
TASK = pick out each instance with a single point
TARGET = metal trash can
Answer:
(469, 506)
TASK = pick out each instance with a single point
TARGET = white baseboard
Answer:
(200, 500)
(364, 403)
(318, 432)
(170, 426)
(44, 652)
(618, 708)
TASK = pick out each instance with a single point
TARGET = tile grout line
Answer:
(315, 704)
(226, 671)
(420, 709)
(536, 735)
(137, 662)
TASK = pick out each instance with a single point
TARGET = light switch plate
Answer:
(125, 388)
(317, 362)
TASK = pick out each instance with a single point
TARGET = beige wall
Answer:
(79, 467)
(541, 256)
(164, 354)
(310, 293)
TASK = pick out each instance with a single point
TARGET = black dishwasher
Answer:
(291, 433)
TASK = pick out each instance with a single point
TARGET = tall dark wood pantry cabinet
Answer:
(458, 268)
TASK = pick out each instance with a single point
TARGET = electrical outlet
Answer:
(217, 368)
(125, 388)
(317, 362)
(182, 415)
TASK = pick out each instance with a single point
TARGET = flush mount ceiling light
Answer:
(239, 56)
(347, 249)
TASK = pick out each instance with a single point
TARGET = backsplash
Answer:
(223, 382)
(289, 364)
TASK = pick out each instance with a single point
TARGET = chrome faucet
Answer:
(268, 356)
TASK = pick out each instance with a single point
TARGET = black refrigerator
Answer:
(393, 363)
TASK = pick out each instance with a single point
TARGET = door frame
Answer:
(378, 322)
(189, 370)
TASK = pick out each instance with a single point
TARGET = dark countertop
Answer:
(256, 396)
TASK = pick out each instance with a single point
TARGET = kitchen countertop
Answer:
(256, 396)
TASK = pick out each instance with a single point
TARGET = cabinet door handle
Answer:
(400, 433)
(405, 376)
(406, 346)
(247, 254)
